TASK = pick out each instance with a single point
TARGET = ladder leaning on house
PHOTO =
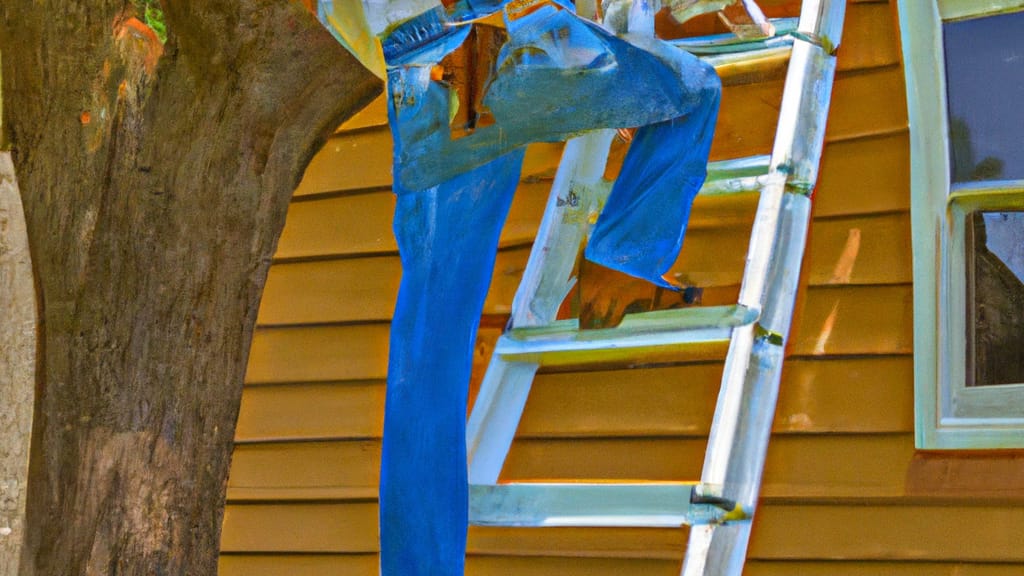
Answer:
(719, 506)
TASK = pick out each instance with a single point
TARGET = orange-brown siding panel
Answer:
(837, 395)
(298, 565)
(318, 354)
(870, 37)
(298, 466)
(350, 161)
(300, 527)
(888, 532)
(311, 411)
(355, 224)
(866, 175)
(854, 320)
(877, 568)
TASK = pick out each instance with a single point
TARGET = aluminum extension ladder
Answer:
(720, 506)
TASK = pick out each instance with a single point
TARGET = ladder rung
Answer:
(729, 43)
(736, 176)
(751, 67)
(562, 341)
(668, 505)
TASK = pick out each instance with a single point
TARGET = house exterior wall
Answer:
(845, 492)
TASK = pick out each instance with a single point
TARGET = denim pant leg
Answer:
(447, 237)
(640, 231)
(670, 94)
(558, 76)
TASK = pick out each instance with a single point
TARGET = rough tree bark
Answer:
(155, 182)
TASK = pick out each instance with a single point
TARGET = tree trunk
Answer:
(17, 366)
(155, 181)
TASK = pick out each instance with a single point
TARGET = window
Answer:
(964, 63)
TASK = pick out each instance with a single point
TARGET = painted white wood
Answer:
(937, 212)
(957, 9)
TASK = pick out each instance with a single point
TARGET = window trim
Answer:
(957, 9)
(937, 224)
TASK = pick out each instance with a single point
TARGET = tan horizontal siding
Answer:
(350, 466)
(865, 175)
(849, 395)
(857, 250)
(298, 565)
(831, 320)
(861, 176)
(838, 395)
(361, 223)
(350, 161)
(311, 410)
(829, 467)
(870, 37)
(877, 568)
(834, 531)
(366, 565)
(889, 532)
(318, 354)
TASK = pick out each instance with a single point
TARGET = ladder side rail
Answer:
(739, 438)
(575, 196)
(492, 424)
(546, 281)
(547, 278)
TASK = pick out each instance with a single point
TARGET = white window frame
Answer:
(948, 414)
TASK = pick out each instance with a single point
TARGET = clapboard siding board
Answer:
(832, 395)
(366, 565)
(318, 354)
(865, 175)
(889, 532)
(864, 102)
(355, 224)
(823, 467)
(861, 176)
(817, 396)
(870, 37)
(799, 466)
(831, 320)
(352, 410)
(350, 464)
(858, 250)
(298, 565)
(832, 531)
(877, 568)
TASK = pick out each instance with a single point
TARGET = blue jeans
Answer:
(556, 77)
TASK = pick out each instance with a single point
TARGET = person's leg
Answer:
(447, 238)
(558, 76)
(640, 231)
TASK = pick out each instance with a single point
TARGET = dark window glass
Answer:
(985, 85)
(995, 302)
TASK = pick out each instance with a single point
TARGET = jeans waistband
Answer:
(417, 34)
